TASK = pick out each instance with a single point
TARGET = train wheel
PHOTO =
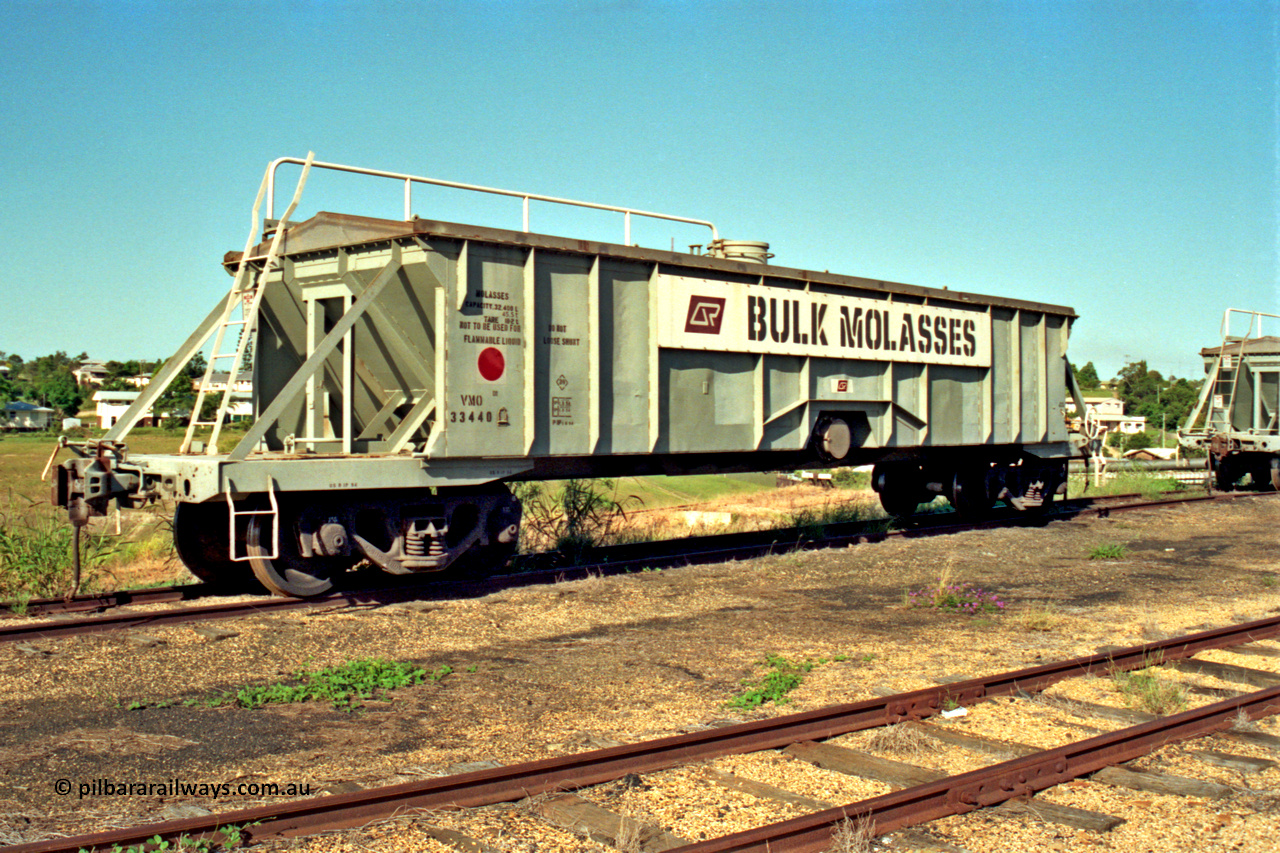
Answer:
(901, 487)
(483, 561)
(900, 503)
(200, 537)
(289, 573)
(968, 494)
(1225, 474)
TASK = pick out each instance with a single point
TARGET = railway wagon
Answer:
(405, 370)
(1236, 416)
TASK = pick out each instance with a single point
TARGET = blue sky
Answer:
(1119, 157)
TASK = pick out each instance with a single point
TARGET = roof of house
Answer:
(23, 406)
(1266, 345)
(1152, 452)
(223, 376)
(116, 396)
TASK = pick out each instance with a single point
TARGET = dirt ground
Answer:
(550, 670)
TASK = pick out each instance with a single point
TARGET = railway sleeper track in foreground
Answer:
(610, 561)
(924, 795)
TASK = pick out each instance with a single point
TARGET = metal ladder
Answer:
(1226, 374)
(233, 514)
(246, 292)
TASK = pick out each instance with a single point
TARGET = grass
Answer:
(341, 685)
(1043, 618)
(23, 455)
(853, 836)
(903, 739)
(344, 686)
(1145, 690)
(655, 492)
(1150, 485)
(1109, 551)
(572, 517)
(35, 537)
(784, 676)
(230, 837)
(813, 521)
(35, 555)
(956, 598)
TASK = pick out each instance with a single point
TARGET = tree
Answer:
(1161, 401)
(1087, 376)
(62, 392)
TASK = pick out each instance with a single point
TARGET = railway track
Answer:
(610, 560)
(921, 799)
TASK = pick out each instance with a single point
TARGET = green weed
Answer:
(1145, 690)
(1109, 551)
(342, 685)
(785, 676)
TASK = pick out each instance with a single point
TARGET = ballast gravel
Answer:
(551, 670)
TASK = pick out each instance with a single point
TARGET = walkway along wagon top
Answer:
(404, 369)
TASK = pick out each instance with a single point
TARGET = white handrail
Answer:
(1254, 316)
(410, 180)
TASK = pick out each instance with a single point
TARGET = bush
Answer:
(35, 555)
(1139, 441)
(582, 515)
(848, 478)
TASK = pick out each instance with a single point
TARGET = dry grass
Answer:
(853, 835)
(903, 739)
(629, 836)
(1242, 723)
(1042, 617)
(764, 510)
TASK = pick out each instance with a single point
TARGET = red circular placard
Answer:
(491, 363)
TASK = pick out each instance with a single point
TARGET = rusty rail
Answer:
(503, 784)
(91, 602)
(991, 786)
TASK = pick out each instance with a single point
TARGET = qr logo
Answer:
(705, 315)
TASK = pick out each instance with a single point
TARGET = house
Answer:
(21, 415)
(218, 383)
(1109, 412)
(112, 404)
(90, 373)
(1152, 454)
